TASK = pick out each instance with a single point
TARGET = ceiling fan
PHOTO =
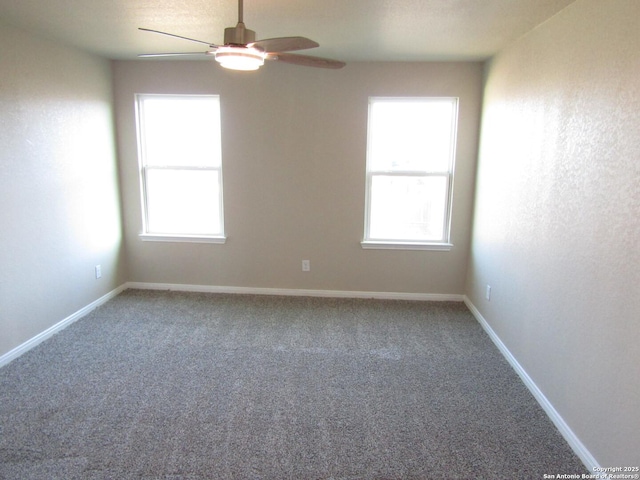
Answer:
(241, 51)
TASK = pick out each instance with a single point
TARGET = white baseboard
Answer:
(293, 292)
(572, 439)
(41, 337)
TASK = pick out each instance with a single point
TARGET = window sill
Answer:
(152, 237)
(380, 245)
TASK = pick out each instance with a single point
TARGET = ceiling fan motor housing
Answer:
(239, 35)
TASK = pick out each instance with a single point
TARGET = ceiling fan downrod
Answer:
(239, 35)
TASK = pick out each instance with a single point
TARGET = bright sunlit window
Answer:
(179, 143)
(410, 156)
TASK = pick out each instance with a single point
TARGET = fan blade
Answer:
(178, 54)
(177, 36)
(306, 60)
(284, 44)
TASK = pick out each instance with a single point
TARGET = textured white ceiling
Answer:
(350, 30)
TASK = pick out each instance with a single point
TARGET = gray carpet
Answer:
(169, 385)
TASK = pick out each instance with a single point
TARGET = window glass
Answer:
(183, 202)
(410, 135)
(409, 208)
(181, 130)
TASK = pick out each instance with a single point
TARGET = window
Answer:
(179, 144)
(410, 152)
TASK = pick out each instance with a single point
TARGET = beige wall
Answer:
(294, 145)
(557, 219)
(59, 214)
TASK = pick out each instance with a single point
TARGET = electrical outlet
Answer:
(98, 271)
(306, 266)
(487, 293)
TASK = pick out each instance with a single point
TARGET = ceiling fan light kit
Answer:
(241, 51)
(239, 58)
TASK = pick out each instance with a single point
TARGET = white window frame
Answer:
(445, 244)
(146, 235)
